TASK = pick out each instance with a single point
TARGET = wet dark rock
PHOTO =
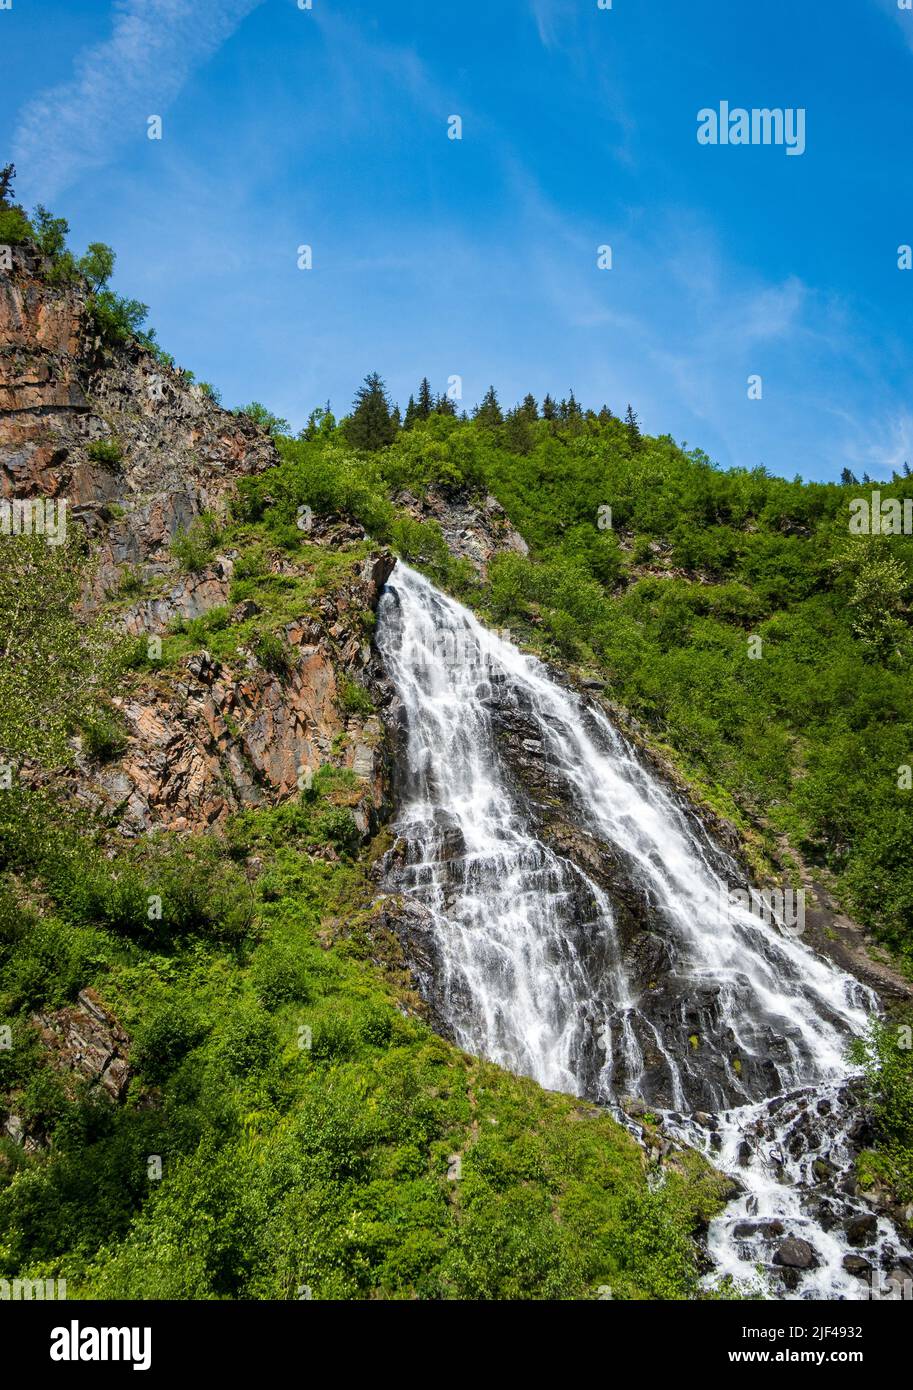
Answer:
(795, 1253)
(861, 1132)
(857, 1265)
(825, 1214)
(861, 1230)
(748, 1230)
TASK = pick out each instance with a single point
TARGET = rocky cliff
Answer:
(138, 452)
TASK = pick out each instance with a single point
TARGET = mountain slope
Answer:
(219, 1079)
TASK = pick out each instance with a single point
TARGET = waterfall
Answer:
(585, 930)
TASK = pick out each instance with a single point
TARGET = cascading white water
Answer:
(597, 959)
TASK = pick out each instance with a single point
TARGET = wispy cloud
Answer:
(882, 448)
(553, 18)
(155, 45)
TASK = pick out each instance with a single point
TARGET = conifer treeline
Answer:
(375, 420)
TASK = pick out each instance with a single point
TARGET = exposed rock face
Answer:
(219, 736)
(61, 392)
(473, 532)
(86, 1038)
(222, 737)
(190, 596)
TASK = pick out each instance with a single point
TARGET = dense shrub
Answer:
(195, 547)
(108, 451)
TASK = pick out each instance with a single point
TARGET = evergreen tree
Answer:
(549, 409)
(605, 415)
(633, 428)
(848, 479)
(529, 409)
(445, 405)
(518, 437)
(425, 399)
(411, 414)
(371, 424)
(7, 174)
(572, 412)
(489, 412)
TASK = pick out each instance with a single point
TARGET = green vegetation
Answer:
(305, 1117)
(15, 227)
(117, 320)
(717, 605)
(305, 1125)
(353, 697)
(273, 424)
(371, 424)
(273, 653)
(195, 547)
(887, 1056)
(55, 671)
(759, 642)
(108, 451)
(102, 735)
(313, 1132)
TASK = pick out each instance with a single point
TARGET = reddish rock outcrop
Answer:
(223, 736)
(218, 736)
(62, 391)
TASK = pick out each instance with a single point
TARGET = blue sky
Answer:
(477, 257)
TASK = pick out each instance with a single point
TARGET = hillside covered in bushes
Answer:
(734, 613)
(280, 1120)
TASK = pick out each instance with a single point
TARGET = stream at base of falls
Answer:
(581, 927)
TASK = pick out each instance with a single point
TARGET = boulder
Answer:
(861, 1230)
(794, 1253)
